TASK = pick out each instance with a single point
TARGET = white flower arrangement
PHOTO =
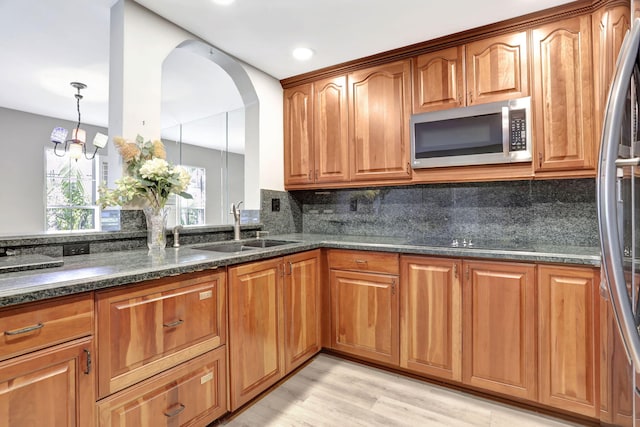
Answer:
(149, 176)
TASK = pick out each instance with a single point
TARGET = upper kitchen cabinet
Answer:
(330, 130)
(379, 112)
(298, 135)
(565, 144)
(496, 69)
(610, 25)
(438, 80)
(316, 147)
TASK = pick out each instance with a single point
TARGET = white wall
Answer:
(140, 42)
(270, 173)
(22, 186)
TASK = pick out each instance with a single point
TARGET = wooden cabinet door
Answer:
(256, 359)
(610, 24)
(157, 325)
(430, 316)
(331, 130)
(438, 80)
(497, 68)
(499, 328)
(301, 308)
(616, 373)
(566, 323)
(298, 135)
(193, 393)
(379, 112)
(364, 313)
(52, 387)
(563, 102)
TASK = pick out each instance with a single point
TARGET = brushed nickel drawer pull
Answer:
(176, 411)
(25, 330)
(173, 324)
(361, 261)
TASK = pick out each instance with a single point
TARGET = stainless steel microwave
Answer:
(497, 132)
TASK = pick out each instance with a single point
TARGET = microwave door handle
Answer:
(505, 131)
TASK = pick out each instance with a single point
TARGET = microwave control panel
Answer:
(518, 130)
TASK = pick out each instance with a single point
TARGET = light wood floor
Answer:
(334, 392)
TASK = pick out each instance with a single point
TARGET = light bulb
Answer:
(79, 135)
(75, 151)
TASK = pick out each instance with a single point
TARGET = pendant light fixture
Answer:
(77, 144)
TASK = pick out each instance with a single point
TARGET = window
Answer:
(71, 192)
(192, 211)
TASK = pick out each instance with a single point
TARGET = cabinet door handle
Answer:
(470, 97)
(467, 272)
(176, 411)
(455, 270)
(393, 287)
(25, 330)
(460, 98)
(408, 168)
(290, 268)
(173, 324)
(316, 175)
(88, 370)
(539, 160)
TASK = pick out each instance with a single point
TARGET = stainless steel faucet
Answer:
(235, 210)
(176, 236)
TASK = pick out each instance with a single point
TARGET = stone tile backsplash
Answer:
(553, 211)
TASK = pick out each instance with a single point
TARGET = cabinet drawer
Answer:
(376, 262)
(149, 328)
(38, 325)
(192, 394)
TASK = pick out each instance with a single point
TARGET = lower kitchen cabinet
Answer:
(191, 394)
(616, 373)
(567, 339)
(256, 360)
(50, 387)
(499, 328)
(157, 325)
(301, 308)
(273, 321)
(431, 316)
(364, 305)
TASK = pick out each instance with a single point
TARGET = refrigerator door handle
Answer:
(612, 256)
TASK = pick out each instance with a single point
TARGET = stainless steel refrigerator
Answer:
(618, 215)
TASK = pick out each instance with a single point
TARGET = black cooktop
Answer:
(471, 243)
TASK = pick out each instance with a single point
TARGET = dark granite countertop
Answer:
(102, 270)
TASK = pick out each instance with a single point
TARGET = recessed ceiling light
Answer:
(223, 2)
(302, 53)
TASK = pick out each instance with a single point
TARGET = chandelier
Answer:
(76, 145)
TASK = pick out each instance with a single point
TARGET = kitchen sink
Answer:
(226, 247)
(263, 243)
(242, 246)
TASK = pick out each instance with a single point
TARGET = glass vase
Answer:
(156, 227)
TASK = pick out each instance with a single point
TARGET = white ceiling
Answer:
(44, 45)
(264, 32)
